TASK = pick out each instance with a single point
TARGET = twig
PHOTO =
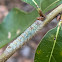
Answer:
(29, 33)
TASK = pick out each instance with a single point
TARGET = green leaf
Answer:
(14, 24)
(50, 47)
(34, 3)
(47, 5)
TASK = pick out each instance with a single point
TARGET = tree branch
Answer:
(29, 33)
